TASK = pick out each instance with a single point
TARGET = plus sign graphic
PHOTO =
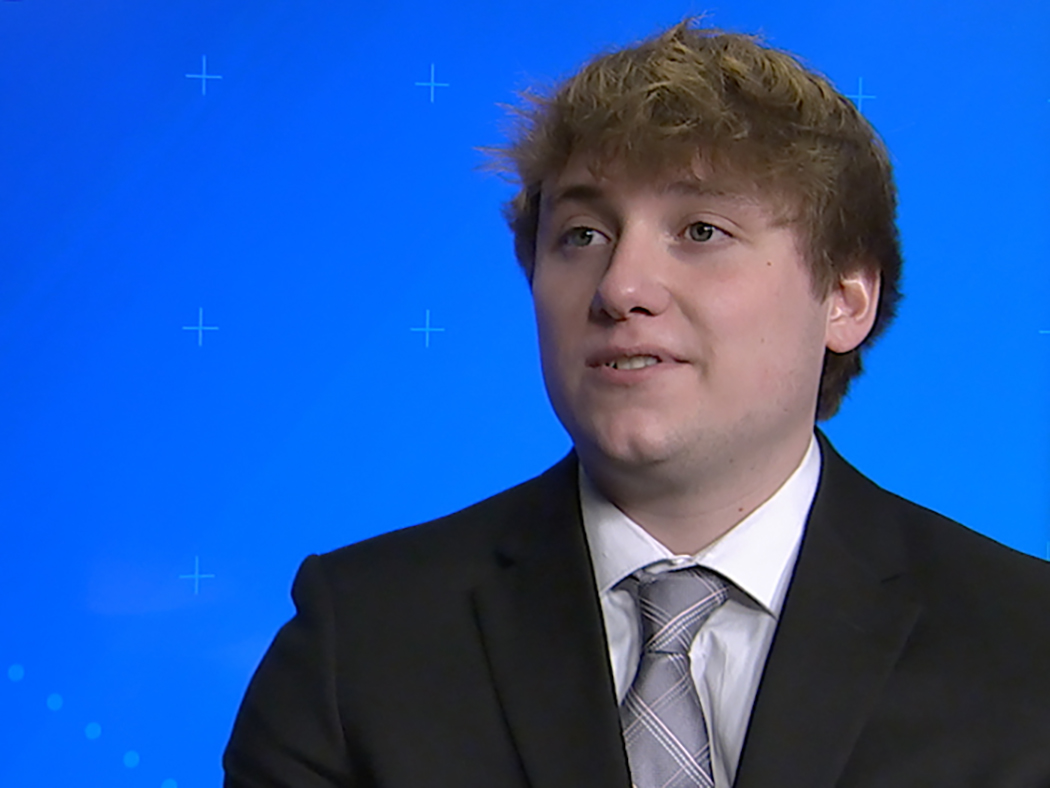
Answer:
(196, 577)
(427, 330)
(200, 328)
(204, 76)
(432, 84)
(859, 96)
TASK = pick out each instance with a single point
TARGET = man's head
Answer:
(747, 120)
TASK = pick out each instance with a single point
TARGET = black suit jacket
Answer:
(469, 652)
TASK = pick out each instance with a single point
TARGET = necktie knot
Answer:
(674, 605)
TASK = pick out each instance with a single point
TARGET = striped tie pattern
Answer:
(664, 730)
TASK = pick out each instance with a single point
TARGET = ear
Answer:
(852, 305)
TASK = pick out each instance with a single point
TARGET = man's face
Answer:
(695, 282)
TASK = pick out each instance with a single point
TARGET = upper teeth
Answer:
(633, 362)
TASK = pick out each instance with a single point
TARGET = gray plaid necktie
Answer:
(663, 724)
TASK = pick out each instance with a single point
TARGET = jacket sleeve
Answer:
(288, 732)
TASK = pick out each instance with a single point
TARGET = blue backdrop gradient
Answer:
(313, 205)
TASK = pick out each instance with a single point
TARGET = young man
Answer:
(703, 592)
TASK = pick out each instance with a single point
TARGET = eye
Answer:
(701, 231)
(580, 236)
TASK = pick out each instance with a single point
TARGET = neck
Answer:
(688, 505)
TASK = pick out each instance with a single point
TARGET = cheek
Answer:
(561, 306)
(749, 316)
(554, 334)
(793, 348)
(547, 323)
(768, 329)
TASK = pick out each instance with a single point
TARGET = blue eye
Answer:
(700, 231)
(579, 236)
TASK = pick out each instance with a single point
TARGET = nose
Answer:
(634, 277)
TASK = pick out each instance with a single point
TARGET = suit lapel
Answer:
(541, 624)
(846, 618)
(845, 621)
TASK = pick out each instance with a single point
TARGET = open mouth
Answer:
(632, 362)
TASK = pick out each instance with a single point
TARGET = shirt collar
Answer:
(757, 555)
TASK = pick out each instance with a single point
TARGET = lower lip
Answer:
(626, 377)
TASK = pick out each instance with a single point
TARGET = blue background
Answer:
(316, 204)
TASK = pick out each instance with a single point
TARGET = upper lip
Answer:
(609, 354)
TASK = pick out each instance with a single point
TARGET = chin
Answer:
(635, 447)
(628, 437)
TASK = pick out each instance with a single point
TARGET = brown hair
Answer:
(750, 112)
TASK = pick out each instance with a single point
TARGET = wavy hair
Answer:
(749, 112)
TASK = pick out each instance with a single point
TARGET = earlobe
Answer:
(852, 308)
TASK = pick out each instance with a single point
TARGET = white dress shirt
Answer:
(758, 555)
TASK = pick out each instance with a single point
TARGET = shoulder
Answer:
(461, 542)
(948, 566)
(957, 564)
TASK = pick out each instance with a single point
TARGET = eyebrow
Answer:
(589, 193)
